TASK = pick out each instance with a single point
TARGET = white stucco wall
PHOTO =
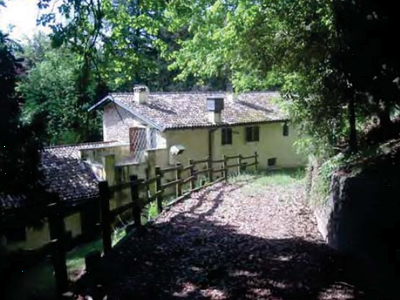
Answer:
(272, 144)
(40, 236)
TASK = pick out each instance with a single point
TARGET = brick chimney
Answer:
(215, 105)
(141, 93)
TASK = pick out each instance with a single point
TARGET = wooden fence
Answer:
(181, 176)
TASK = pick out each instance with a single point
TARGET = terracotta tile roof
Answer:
(67, 175)
(11, 201)
(188, 109)
(64, 173)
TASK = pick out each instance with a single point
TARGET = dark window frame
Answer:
(285, 129)
(271, 162)
(252, 134)
(226, 136)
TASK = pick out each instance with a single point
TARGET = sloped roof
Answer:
(11, 201)
(64, 173)
(188, 109)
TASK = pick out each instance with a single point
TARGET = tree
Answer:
(126, 42)
(20, 144)
(51, 91)
(331, 58)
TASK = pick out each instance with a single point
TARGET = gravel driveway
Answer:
(251, 239)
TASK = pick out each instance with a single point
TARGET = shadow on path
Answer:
(193, 258)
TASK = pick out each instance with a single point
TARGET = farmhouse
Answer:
(175, 127)
(142, 130)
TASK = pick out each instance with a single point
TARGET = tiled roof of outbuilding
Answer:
(185, 110)
(11, 201)
(64, 173)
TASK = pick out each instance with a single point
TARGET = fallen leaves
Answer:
(228, 242)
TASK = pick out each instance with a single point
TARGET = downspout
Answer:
(210, 143)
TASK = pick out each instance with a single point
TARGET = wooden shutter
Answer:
(256, 136)
(229, 136)
(248, 134)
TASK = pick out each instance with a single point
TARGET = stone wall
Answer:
(361, 218)
(360, 211)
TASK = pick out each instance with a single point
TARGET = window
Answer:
(285, 129)
(137, 139)
(271, 162)
(226, 136)
(252, 134)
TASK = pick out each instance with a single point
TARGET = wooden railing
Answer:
(180, 176)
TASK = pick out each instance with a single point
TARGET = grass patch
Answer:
(76, 257)
(256, 182)
(271, 177)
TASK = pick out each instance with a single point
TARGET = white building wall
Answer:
(272, 144)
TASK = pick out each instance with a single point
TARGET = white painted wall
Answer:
(272, 144)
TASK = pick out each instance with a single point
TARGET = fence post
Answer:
(240, 164)
(147, 185)
(191, 174)
(256, 161)
(136, 211)
(57, 234)
(225, 167)
(178, 177)
(158, 189)
(105, 216)
(209, 167)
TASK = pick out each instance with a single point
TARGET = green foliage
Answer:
(330, 80)
(122, 42)
(19, 154)
(321, 183)
(276, 44)
(131, 49)
(52, 94)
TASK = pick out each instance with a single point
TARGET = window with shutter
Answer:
(226, 136)
(252, 134)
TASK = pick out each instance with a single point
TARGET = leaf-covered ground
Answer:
(253, 238)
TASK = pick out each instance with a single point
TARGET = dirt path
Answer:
(244, 240)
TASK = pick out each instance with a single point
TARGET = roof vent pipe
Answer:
(140, 93)
(215, 105)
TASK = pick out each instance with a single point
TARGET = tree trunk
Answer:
(385, 123)
(352, 123)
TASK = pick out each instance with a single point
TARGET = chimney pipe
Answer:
(215, 105)
(141, 93)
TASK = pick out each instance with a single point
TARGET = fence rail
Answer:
(155, 190)
(178, 181)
